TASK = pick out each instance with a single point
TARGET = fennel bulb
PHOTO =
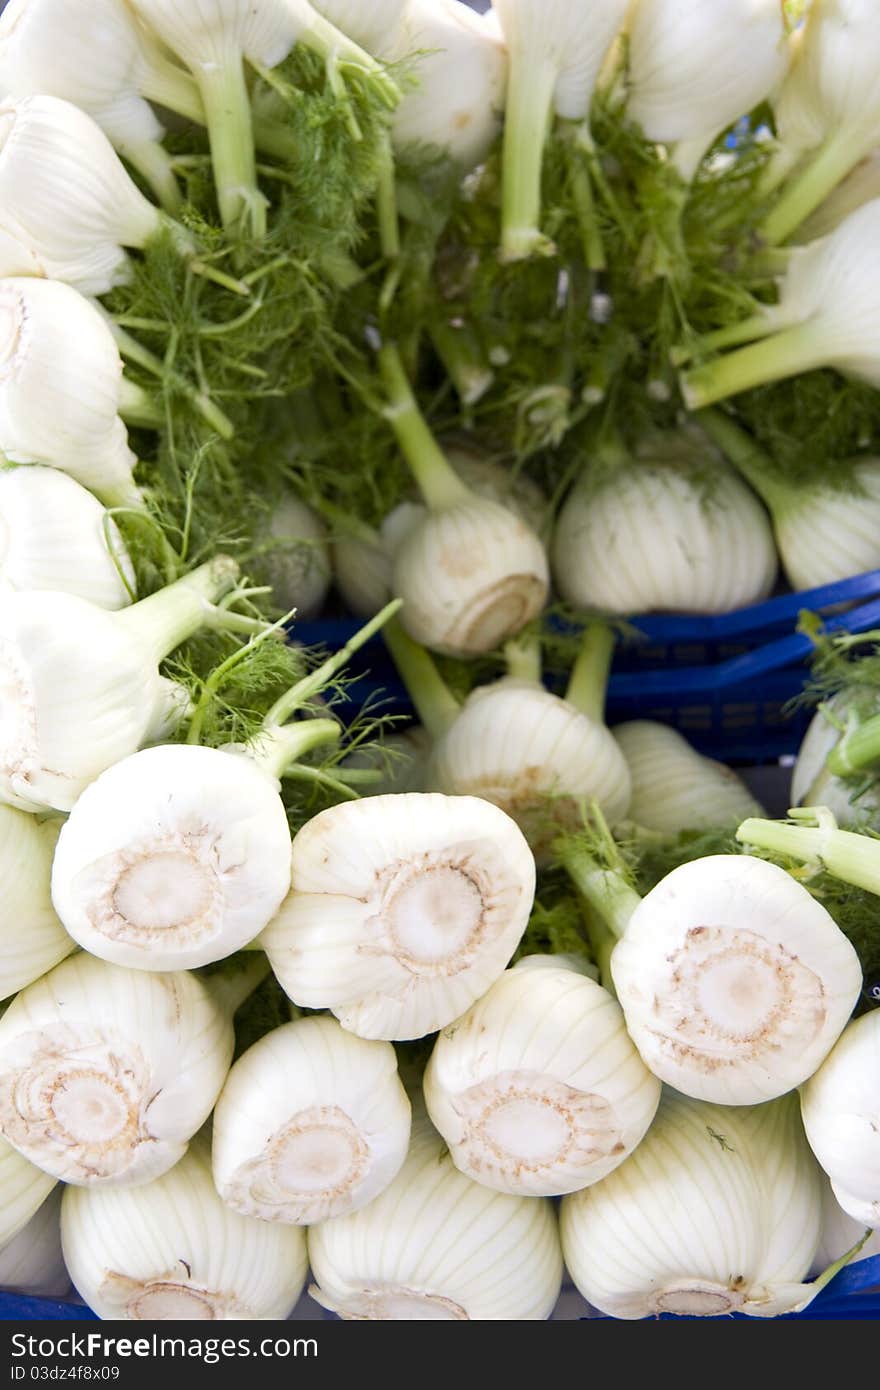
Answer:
(80, 688)
(213, 40)
(471, 573)
(23, 1188)
(65, 197)
(538, 756)
(363, 558)
(556, 50)
(458, 81)
(839, 1234)
(92, 53)
(61, 390)
(827, 316)
(672, 530)
(32, 1262)
(55, 535)
(840, 1105)
(106, 1073)
(173, 1251)
(674, 788)
(696, 66)
(178, 856)
(735, 982)
(832, 107)
(717, 1211)
(369, 22)
(538, 1088)
(812, 782)
(32, 938)
(435, 1245)
(293, 556)
(403, 910)
(312, 1123)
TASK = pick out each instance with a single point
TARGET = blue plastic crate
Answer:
(726, 682)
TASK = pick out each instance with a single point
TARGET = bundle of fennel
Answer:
(460, 322)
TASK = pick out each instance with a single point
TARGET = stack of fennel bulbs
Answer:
(272, 257)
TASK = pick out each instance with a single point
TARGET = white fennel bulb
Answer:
(735, 982)
(61, 389)
(172, 1251)
(471, 573)
(675, 532)
(65, 197)
(363, 559)
(213, 40)
(840, 1105)
(91, 53)
(32, 939)
(717, 1211)
(830, 107)
(538, 1089)
(539, 756)
(826, 316)
(402, 911)
(294, 557)
(23, 1189)
(32, 1263)
(311, 1123)
(458, 77)
(556, 50)
(813, 783)
(696, 66)
(840, 1233)
(54, 534)
(106, 1074)
(437, 1246)
(369, 22)
(674, 787)
(80, 687)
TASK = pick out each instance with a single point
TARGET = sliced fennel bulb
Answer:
(55, 535)
(312, 1123)
(827, 316)
(32, 939)
(106, 1073)
(538, 1089)
(696, 66)
(471, 573)
(735, 982)
(673, 787)
(403, 910)
(435, 1245)
(840, 1105)
(717, 1211)
(23, 1189)
(674, 530)
(556, 51)
(32, 1262)
(65, 197)
(81, 687)
(171, 1250)
(61, 389)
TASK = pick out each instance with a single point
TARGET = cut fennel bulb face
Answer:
(436, 1246)
(717, 1211)
(55, 535)
(674, 788)
(173, 858)
(171, 1250)
(538, 1089)
(65, 197)
(312, 1123)
(840, 1105)
(106, 1073)
(403, 910)
(734, 981)
(663, 535)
